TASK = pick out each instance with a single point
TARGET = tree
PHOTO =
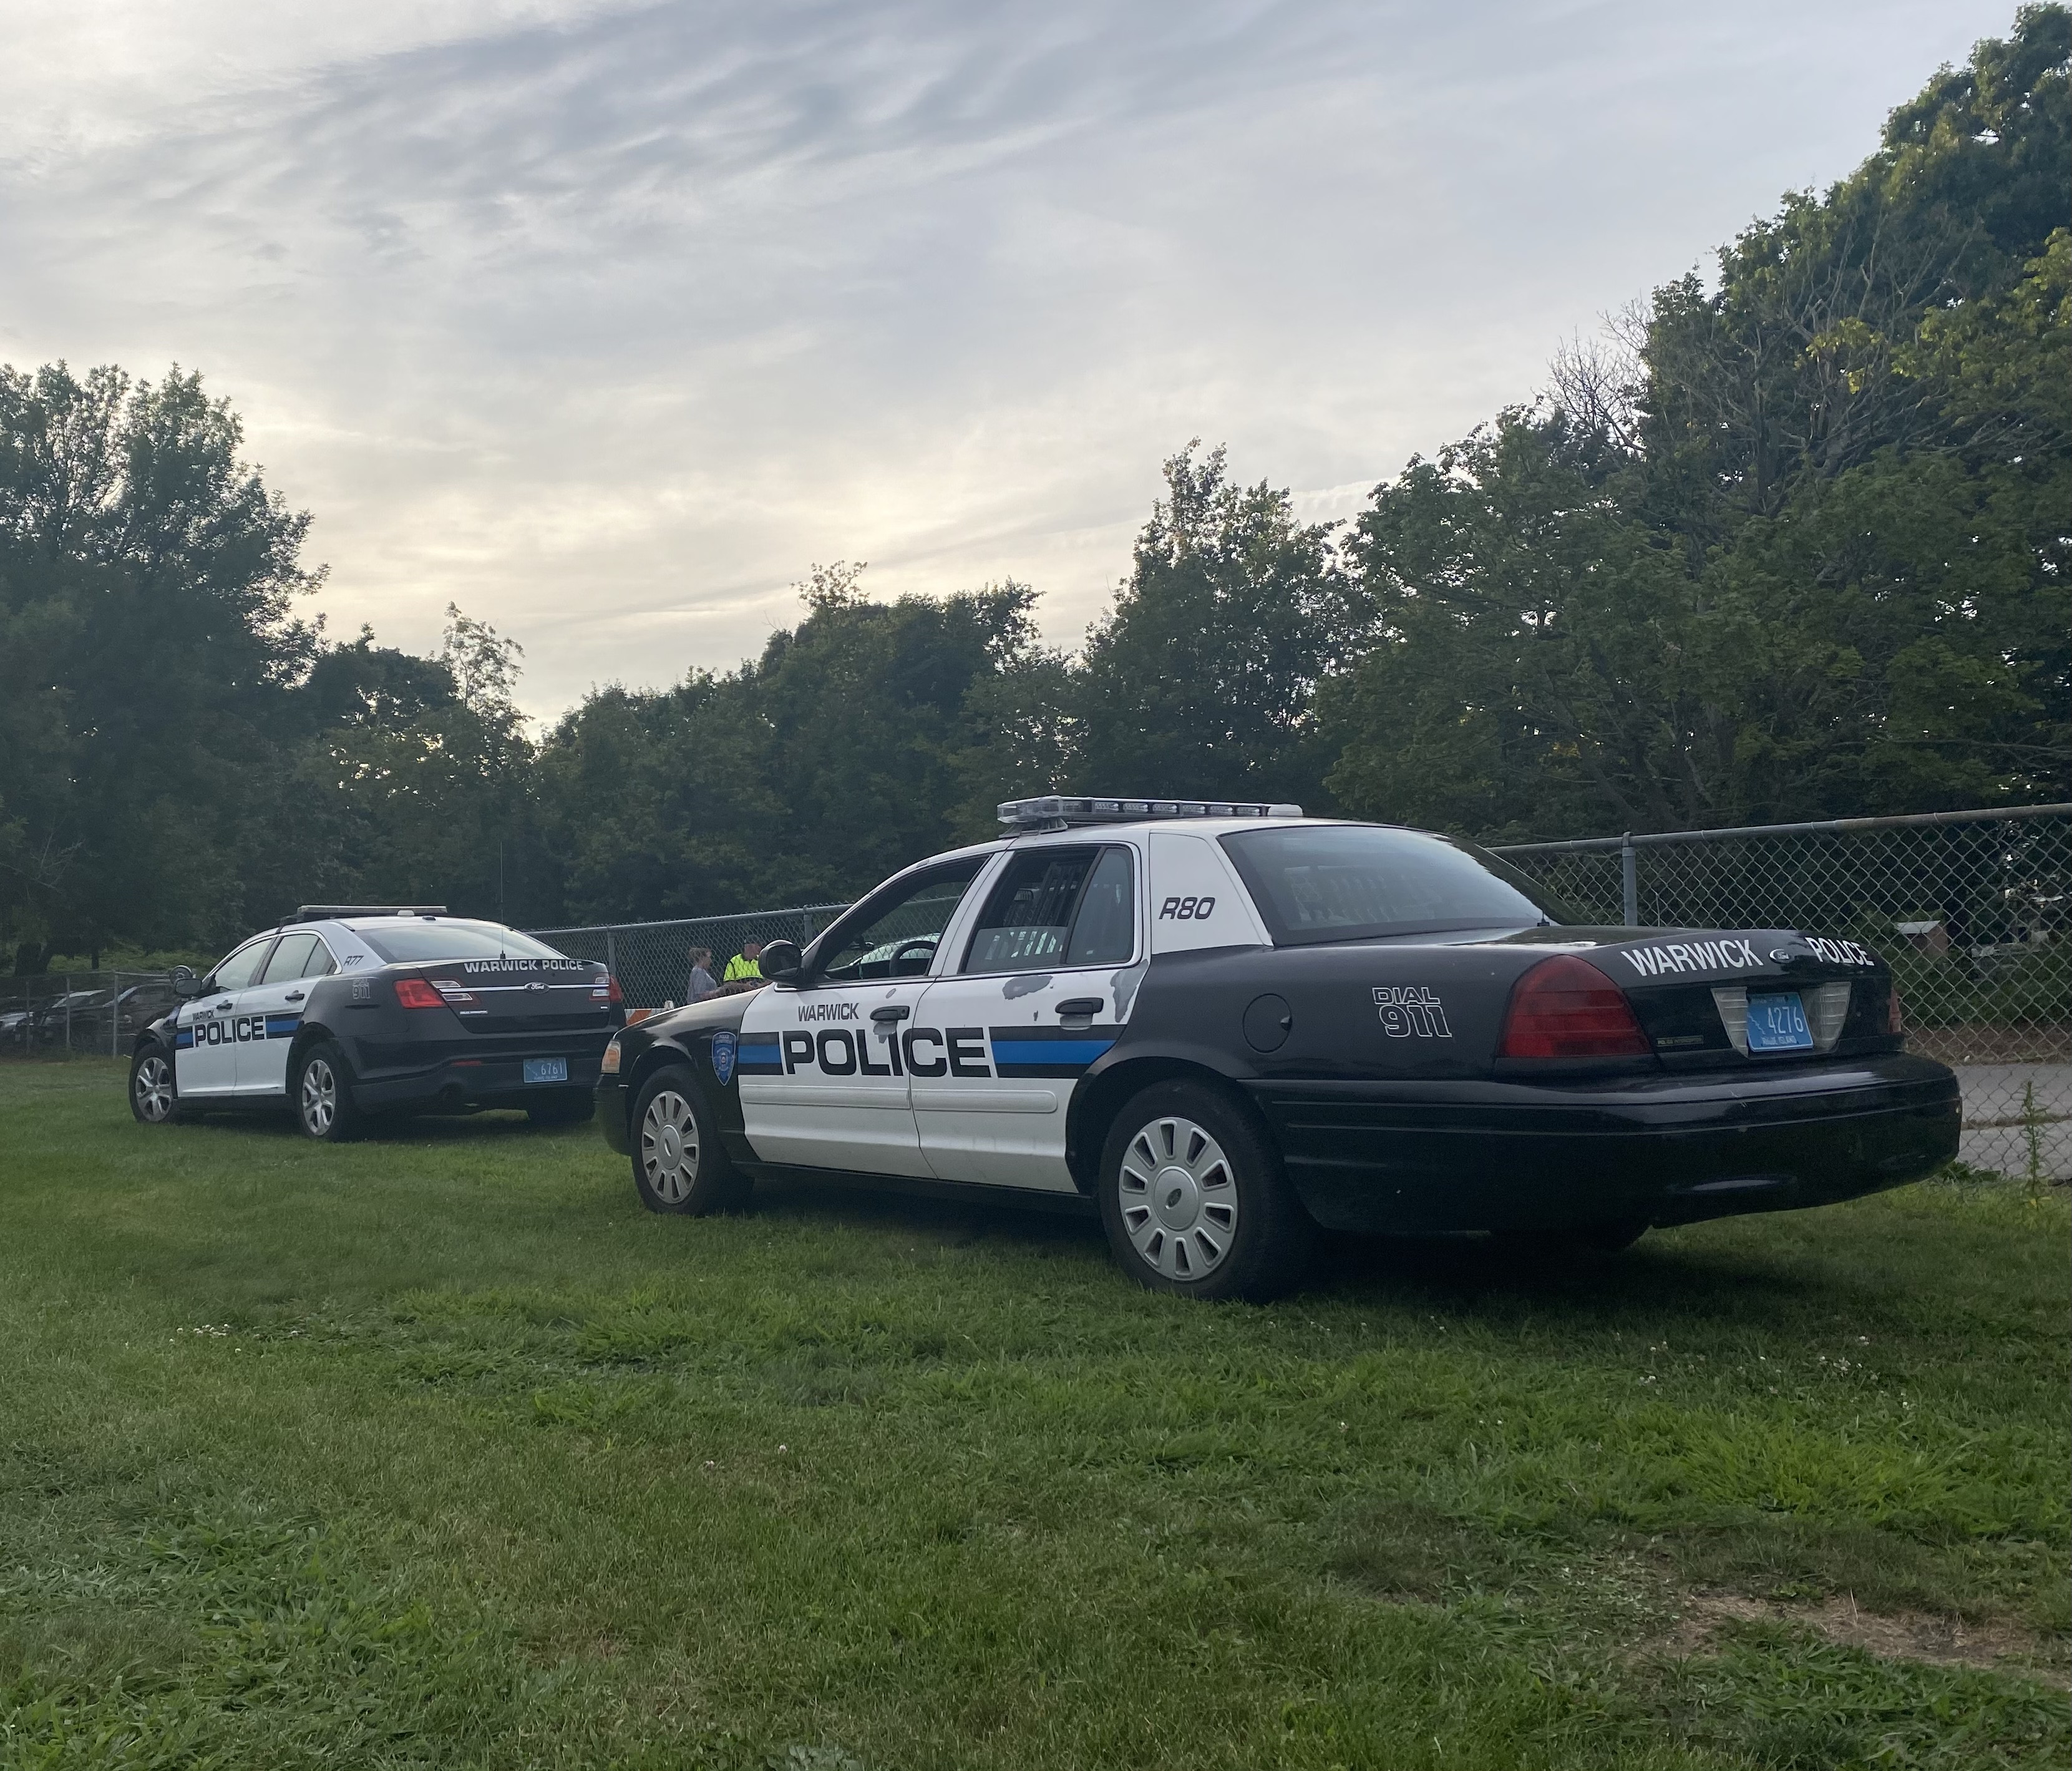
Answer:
(856, 743)
(1201, 680)
(1808, 560)
(147, 586)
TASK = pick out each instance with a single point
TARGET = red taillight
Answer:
(1566, 1007)
(1895, 1022)
(618, 995)
(415, 993)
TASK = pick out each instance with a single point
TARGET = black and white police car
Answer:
(1227, 1027)
(345, 1011)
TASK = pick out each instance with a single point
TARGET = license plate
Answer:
(1777, 1024)
(556, 1069)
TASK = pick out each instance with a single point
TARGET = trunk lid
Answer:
(517, 996)
(1710, 998)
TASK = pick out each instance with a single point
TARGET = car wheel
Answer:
(324, 1107)
(679, 1164)
(154, 1095)
(1194, 1201)
(564, 1107)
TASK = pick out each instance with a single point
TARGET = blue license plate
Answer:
(1777, 1024)
(556, 1069)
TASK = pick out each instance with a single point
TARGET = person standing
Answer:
(702, 984)
(745, 970)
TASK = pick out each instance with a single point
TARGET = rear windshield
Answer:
(1347, 882)
(403, 942)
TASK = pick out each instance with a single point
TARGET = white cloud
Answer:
(606, 321)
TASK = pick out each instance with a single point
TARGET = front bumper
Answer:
(1428, 1158)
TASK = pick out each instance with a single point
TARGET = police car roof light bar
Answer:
(1062, 811)
(309, 912)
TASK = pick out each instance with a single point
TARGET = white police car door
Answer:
(1029, 1004)
(205, 1040)
(271, 1010)
(823, 1068)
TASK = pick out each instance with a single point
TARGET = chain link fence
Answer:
(1969, 908)
(77, 1014)
(652, 960)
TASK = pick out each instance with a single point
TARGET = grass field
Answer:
(437, 1450)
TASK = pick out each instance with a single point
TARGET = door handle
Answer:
(886, 1016)
(294, 996)
(1080, 1005)
(228, 1002)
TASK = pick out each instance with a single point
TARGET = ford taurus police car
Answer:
(1225, 1027)
(344, 1011)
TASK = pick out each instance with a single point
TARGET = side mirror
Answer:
(782, 962)
(184, 981)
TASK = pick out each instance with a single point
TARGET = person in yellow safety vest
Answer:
(746, 965)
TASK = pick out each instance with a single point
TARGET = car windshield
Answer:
(406, 941)
(1350, 882)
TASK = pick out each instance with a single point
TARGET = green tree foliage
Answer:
(1805, 556)
(1202, 678)
(420, 768)
(858, 742)
(147, 642)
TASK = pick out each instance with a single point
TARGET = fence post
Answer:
(1629, 882)
(115, 1015)
(67, 981)
(610, 953)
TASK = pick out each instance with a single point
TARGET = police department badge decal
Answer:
(722, 1050)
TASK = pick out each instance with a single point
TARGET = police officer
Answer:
(744, 971)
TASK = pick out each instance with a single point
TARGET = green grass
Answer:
(438, 1450)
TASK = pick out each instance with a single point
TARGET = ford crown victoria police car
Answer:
(1225, 1027)
(344, 1011)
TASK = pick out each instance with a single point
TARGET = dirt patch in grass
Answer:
(1988, 1646)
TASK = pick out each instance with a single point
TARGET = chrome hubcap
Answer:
(669, 1147)
(154, 1089)
(1179, 1198)
(320, 1096)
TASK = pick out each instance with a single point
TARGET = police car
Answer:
(1227, 1027)
(345, 1011)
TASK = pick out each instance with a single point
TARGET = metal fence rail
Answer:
(79, 1013)
(652, 960)
(1969, 908)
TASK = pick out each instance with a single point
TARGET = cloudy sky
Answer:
(607, 321)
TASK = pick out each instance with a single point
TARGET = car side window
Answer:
(243, 965)
(319, 964)
(1105, 931)
(289, 959)
(1057, 908)
(897, 937)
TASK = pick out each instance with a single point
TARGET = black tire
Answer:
(1194, 1201)
(679, 1164)
(154, 1091)
(322, 1092)
(563, 1107)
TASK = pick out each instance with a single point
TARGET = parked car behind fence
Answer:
(80, 1012)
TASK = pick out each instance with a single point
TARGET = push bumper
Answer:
(1427, 1158)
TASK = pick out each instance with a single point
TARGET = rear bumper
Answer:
(493, 1079)
(1425, 1158)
